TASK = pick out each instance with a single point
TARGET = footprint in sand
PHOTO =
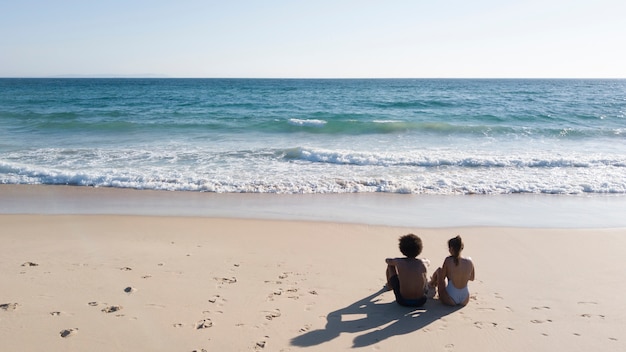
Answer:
(261, 344)
(130, 289)
(540, 308)
(484, 324)
(226, 280)
(539, 321)
(204, 323)
(68, 332)
(273, 314)
(8, 306)
(277, 292)
(293, 293)
(55, 314)
(214, 298)
(111, 309)
(586, 315)
(30, 264)
(126, 268)
(234, 268)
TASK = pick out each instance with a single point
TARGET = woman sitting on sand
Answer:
(458, 271)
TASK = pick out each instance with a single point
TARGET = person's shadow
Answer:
(369, 314)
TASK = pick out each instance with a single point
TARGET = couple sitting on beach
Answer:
(407, 276)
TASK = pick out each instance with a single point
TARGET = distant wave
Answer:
(70, 125)
(396, 126)
(310, 123)
(122, 121)
(414, 104)
(461, 160)
(377, 126)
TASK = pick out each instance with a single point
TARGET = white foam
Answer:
(307, 170)
(307, 122)
(387, 121)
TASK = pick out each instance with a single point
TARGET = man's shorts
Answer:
(395, 285)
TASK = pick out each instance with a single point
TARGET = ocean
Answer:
(310, 136)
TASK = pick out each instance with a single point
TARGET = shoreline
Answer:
(515, 210)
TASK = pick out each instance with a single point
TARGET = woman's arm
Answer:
(444, 268)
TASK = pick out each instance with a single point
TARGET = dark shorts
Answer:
(395, 285)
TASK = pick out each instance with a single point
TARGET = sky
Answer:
(314, 39)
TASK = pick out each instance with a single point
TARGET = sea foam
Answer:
(308, 123)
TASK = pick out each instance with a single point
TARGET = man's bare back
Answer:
(407, 276)
(412, 276)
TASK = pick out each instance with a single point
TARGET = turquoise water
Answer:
(317, 136)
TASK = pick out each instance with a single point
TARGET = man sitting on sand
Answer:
(458, 271)
(407, 276)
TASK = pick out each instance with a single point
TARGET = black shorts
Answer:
(395, 285)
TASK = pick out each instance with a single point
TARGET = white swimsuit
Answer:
(458, 295)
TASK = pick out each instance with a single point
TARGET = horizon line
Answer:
(155, 76)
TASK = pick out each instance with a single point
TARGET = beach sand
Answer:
(89, 282)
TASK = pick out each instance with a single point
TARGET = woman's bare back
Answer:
(459, 274)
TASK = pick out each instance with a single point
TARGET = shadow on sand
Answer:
(367, 314)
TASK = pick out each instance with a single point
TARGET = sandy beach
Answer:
(122, 282)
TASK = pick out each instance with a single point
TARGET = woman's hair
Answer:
(410, 245)
(456, 244)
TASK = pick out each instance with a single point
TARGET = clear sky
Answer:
(317, 38)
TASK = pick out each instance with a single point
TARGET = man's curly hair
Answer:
(410, 245)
